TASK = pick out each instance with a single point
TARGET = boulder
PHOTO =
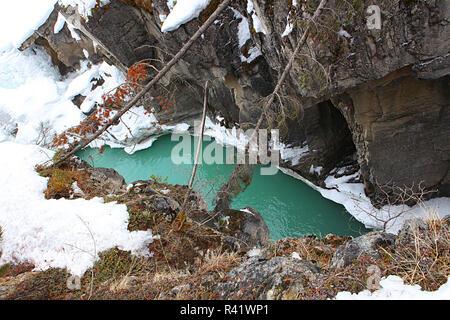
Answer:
(276, 279)
(409, 230)
(105, 180)
(367, 244)
(243, 229)
(164, 203)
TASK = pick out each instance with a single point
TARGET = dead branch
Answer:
(244, 172)
(182, 215)
(399, 201)
(155, 80)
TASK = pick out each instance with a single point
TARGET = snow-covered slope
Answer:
(56, 233)
(35, 97)
(19, 19)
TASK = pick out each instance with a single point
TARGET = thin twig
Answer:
(182, 214)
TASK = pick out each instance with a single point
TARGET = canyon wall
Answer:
(374, 100)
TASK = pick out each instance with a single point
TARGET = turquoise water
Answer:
(289, 206)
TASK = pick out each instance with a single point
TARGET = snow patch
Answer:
(393, 288)
(59, 24)
(137, 130)
(225, 136)
(56, 233)
(293, 154)
(183, 12)
(84, 7)
(315, 170)
(257, 24)
(352, 197)
(254, 252)
(32, 95)
(244, 36)
(288, 29)
(295, 255)
(344, 33)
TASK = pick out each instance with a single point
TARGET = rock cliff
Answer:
(373, 99)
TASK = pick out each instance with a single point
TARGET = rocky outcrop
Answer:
(105, 180)
(391, 86)
(266, 279)
(200, 261)
(244, 229)
(126, 35)
(377, 99)
(241, 229)
(66, 51)
(399, 125)
(368, 244)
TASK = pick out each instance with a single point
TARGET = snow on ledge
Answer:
(19, 20)
(353, 198)
(84, 7)
(183, 12)
(243, 36)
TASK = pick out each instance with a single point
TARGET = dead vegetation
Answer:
(420, 257)
(193, 255)
(188, 263)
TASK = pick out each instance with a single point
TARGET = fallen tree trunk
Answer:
(155, 80)
(242, 174)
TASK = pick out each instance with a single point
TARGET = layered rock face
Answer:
(400, 125)
(376, 99)
(391, 86)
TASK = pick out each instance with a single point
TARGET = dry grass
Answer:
(424, 259)
(184, 284)
(187, 264)
(60, 181)
(311, 248)
(119, 275)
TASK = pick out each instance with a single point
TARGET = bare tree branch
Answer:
(244, 172)
(182, 215)
(155, 80)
